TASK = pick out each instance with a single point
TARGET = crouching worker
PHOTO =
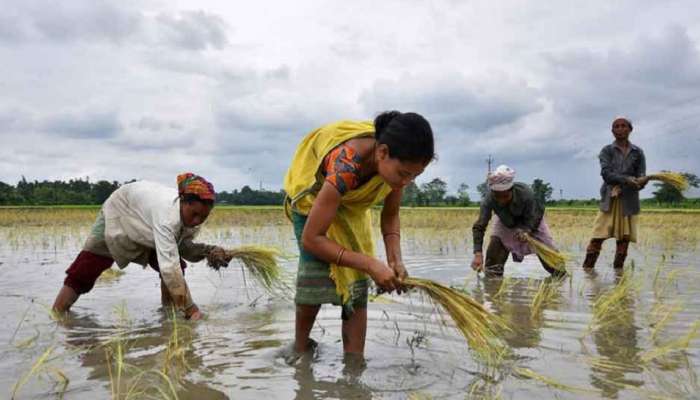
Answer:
(148, 224)
(518, 214)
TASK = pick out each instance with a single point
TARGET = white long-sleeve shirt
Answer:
(142, 216)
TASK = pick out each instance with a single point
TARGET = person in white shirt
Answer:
(149, 224)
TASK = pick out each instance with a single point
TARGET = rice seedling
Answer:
(530, 374)
(419, 396)
(36, 368)
(28, 342)
(675, 179)
(679, 344)
(660, 315)
(607, 305)
(605, 364)
(550, 256)
(19, 324)
(661, 286)
(261, 263)
(506, 284)
(114, 354)
(62, 380)
(496, 362)
(175, 360)
(484, 390)
(478, 326)
(111, 274)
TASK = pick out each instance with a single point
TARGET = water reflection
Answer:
(511, 299)
(140, 360)
(349, 385)
(616, 342)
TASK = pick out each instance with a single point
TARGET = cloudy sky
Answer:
(147, 89)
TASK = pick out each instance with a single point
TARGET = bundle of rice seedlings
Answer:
(477, 325)
(675, 179)
(551, 257)
(605, 364)
(528, 373)
(261, 263)
(547, 293)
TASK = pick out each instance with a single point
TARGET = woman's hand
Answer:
(383, 276)
(401, 274)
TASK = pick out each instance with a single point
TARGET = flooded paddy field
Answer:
(596, 335)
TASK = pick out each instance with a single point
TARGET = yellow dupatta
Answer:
(352, 226)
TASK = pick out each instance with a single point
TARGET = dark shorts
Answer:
(87, 267)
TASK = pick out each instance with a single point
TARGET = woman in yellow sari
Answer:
(338, 173)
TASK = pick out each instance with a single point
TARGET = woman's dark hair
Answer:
(407, 135)
(191, 197)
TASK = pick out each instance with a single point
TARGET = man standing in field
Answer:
(148, 224)
(623, 168)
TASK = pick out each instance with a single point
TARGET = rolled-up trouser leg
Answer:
(496, 257)
(621, 253)
(592, 253)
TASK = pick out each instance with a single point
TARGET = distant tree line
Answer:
(73, 192)
(430, 194)
(83, 192)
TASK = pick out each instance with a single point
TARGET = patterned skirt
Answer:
(314, 285)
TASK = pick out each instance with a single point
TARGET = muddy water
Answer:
(239, 351)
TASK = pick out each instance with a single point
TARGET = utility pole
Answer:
(489, 161)
(561, 194)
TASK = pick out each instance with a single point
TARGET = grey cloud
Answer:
(87, 21)
(193, 30)
(645, 78)
(250, 117)
(86, 125)
(155, 125)
(12, 29)
(68, 21)
(90, 20)
(257, 134)
(13, 120)
(148, 133)
(454, 104)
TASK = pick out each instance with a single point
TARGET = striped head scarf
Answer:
(189, 183)
(501, 178)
